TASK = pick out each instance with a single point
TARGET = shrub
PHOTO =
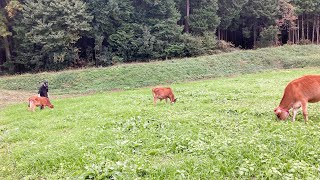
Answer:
(192, 45)
(268, 36)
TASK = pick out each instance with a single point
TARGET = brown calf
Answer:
(38, 101)
(297, 94)
(163, 93)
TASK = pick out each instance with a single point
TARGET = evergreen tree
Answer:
(306, 6)
(256, 15)
(8, 10)
(229, 10)
(307, 23)
(48, 31)
(134, 30)
(160, 27)
(111, 19)
(203, 16)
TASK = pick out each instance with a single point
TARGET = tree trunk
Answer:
(313, 29)
(7, 48)
(186, 18)
(289, 35)
(293, 36)
(317, 29)
(307, 27)
(98, 49)
(7, 53)
(226, 35)
(254, 34)
(302, 29)
(298, 31)
(222, 35)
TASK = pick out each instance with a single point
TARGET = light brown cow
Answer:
(163, 93)
(39, 101)
(297, 94)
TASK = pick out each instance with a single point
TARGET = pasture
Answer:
(219, 128)
(135, 75)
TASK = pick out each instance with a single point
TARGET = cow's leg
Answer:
(154, 101)
(295, 110)
(32, 107)
(304, 106)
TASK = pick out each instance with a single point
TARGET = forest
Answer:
(51, 35)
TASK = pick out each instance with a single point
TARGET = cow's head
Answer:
(281, 114)
(174, 100)
(48, 103)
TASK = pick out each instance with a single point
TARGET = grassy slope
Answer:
(219, 128)
(166, 72)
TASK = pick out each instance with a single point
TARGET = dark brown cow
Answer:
(163, 93)
(39, 101)
(297, 94)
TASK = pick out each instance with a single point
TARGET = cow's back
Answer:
(40, 101)
(162, 92)
(35, 100)
(307, 87)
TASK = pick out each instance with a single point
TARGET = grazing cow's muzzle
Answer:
(281, 114)
(174, 101)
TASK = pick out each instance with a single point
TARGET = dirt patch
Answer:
(8, 97)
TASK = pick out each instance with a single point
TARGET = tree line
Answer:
(58, 34)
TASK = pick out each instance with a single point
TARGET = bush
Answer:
(225, 46)
(209, 42)
(192, 45)
(268, 36)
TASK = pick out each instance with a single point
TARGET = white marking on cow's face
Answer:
(281, 114)
(285, 115)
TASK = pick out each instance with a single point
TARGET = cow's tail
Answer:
(153, 93)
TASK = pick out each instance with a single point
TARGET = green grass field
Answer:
(129, 76)
(222, 128)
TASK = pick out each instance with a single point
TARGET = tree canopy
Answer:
(58, 34)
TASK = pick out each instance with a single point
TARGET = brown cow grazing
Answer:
(163, 93)
(38, 101)
(297, 94)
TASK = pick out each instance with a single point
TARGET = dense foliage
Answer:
(58, 34)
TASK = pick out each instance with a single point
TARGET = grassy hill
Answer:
(129, 76)
(219, 128)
